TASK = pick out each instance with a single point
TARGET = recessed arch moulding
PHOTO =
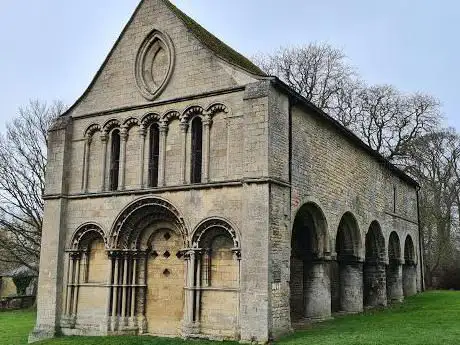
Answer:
(154, 64)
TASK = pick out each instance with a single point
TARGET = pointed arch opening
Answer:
(309, 281)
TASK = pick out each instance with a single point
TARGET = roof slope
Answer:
(214, 44)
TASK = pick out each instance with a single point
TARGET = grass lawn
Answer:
(431, 318)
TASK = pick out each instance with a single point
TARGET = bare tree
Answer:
(388, 120)
(434, 161)
(318, 72)
(22, 169)
(383, 117)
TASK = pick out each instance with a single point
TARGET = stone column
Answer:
(184, 129)
(189, 301)
(86, 164)
(141, 156)
(317, 290)
(197, 286)
(121, 171)
(104, 139)
(132, 320)
(142, 293)
(375, 293)
(115, 292)
(351, 286)
(409, 279)
(207, 122)
(124, 295)
(85, 268)
(69, 293)
(109, 290)
(77, 283)
(394, 282)
(163, 129)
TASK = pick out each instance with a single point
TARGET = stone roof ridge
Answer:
(213, 43)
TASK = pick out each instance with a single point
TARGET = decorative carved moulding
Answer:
(154, 64)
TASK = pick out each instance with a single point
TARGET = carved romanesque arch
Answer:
(92, 129)
(214, 223)
(85, 234)
(110, 124)
(149, 118)
(216, 108)
(191, 112)
(216, 254)
(126, 231)
(170, 115)
(130, 122)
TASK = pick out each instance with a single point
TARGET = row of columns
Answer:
(195, 258)
(127, 288)
(369, 284)
(163, 130)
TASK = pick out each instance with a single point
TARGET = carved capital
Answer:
(123, 133)
(104, 137)
(207, 121)
(88, 139)
(237, 253)
(141, 131)
(183, 127)
(163, 127)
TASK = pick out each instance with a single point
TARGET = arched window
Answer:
(114, 159)
(197, 150)
(154, 154)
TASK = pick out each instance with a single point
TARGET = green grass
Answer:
(431, 318)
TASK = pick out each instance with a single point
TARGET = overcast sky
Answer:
(51, 49)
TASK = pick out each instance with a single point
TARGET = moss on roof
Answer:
(212, 42)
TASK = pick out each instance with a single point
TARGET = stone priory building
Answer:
(189, 194)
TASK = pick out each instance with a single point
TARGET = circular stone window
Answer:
(154, 64)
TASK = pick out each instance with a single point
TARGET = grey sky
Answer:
(51, 49)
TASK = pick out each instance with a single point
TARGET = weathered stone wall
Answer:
(51, 277)
(225, 157)
(196, 70)
(331, 171)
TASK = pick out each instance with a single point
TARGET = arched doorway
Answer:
(394, 269)
(309, 283)
(165, 279)
(350, 282)
(374, 268)
(148, 277)
(409, 268)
